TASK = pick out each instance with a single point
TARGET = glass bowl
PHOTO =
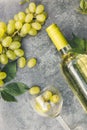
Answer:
(48, 102)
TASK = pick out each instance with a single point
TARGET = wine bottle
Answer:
(74, 66)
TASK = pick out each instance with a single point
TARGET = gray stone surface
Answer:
(20, 116)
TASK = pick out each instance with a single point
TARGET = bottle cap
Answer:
(56, 36)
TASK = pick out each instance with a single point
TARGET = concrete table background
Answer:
(20, 116)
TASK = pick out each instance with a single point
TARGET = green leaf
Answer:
(82, 7)
(7, 97)
(23, 87)
(78, 45)
(86, 45)
(10, 70)
(75, 50)
(16, 89)
(82, 4)
(23, 2)
(85, 5)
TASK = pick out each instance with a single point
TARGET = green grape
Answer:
(55, 98)
(1, 83)
(19, 52)
(1, 48)
(18, 25)
(2, 32)
(4, 50)
(27, 10)
(32, 32)
(10, 28)
(7, 41)
(47, 95)
(25, 28)
(32, 62)
(45, 14)
(32, 7)
(22, 35)
(21, 16)
(3, 26)
(11, 55)
(29, 18)
(42, 23)
(2, 75)
(34, 90)
(21, 62)
(16, 18)
(41, 17)
(12, 21)
(3, 59)
(15, 45)
(39, 9)
(36, 25)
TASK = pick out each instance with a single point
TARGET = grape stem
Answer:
(23, 2)
(15, 33)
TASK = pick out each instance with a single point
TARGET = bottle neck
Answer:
(65, 50)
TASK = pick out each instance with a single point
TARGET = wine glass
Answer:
(48, 103)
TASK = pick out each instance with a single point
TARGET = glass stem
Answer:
(63, 123)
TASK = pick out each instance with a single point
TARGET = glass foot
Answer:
(65, 125)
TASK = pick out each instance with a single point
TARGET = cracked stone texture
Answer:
(20, 116)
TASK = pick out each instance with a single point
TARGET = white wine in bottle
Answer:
(74, 66)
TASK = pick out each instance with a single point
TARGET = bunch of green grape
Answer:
(30, 21)
(23, 23)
